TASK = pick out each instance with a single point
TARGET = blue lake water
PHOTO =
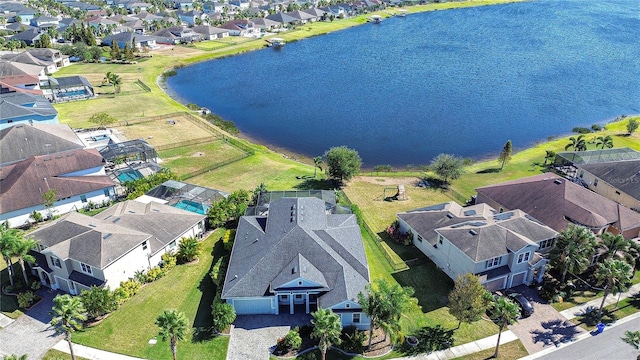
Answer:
(457, 81)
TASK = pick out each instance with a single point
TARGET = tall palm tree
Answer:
(317, 162)
(605, 142)
(9, 240)
(632, 338)
(326, 328)
(577, 143)
(573, 251)
(504, 312)
(173, 326)
(614, 275)
(68, 314)
(616, 246)
(24, 245)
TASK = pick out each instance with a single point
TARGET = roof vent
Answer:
(473, 232)
(92, 225)
(450, 216)
(107, 235)
(557, 181)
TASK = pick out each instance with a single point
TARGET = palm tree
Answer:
(223, 315)
(68, 314)
(605, 142)
(189, 249)
(317, 162)
(9, 240)
(504, 312)
(616, 246)
(577, 143)
(173, 326)
(326, 328)
(573, 251)
(24, 245)
(632, 338)
(15, 357)
(614, 275)
(114, 80)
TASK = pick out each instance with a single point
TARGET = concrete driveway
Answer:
(546, 327)
(31, 334)
(253, 337)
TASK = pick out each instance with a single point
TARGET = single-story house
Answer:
(176, 35)
(128, 38)
(69, 88)
(503, 249)
(295, 258)
(77, 176)
(556, 202)
(208, 32)
(77, 251)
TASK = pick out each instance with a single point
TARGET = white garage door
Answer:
(494, 285)
(518, 279)
(253, 306)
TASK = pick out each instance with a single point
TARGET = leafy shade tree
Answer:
(68, 315)
(43, 42)
(468, 300)
(189, 249)
(447, 166)
(317, 164)
(573, 251)
(384, 304)
(604, 142)
(49, 198)
(102, 119)
(342, 163)
(223, 315)
(173, 327)
(577, 143)
(632, 338)
(98, 302)
(326, 328)
(632, 126)
(505, 154)
(615, 275)
(504, 312)
(230, 209)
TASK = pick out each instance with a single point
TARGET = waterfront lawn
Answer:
(160, 133)
(610, 313)
(187, 159)
(187, 288)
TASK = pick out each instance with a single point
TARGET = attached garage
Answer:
(495, 284)
(518, 279)
(253, 306)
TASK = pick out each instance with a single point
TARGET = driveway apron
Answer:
(31, 333)
(253, 337)
(546, 327)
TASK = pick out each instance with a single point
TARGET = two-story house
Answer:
(503, 249)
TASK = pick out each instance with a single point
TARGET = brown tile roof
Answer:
(555, 201)
(23, 183)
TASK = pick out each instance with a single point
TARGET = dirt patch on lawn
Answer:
(408, 181)
(198, 154)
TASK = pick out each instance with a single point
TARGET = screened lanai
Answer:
(595, 156)
(132, 150)
(187, 196)
(266, 197)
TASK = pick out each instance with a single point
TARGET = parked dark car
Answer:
(525, 305)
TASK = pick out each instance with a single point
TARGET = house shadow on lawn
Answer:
(202, 324)
(431, 285)
(555, 332)
(309, 183)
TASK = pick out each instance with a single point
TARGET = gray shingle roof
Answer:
(19, 104)
(623, 175)
(296, 229)
(20, 142)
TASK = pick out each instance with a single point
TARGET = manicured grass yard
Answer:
(610, 314)
(187, 159)
(160, 133)
(53, 354)
(187, 288)
(509, 351)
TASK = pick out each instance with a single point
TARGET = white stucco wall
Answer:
(126, 266)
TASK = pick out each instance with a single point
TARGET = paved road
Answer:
(31, 334)
(606, 345)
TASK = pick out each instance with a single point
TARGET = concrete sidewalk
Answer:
(5, 320)
(595, 303)
(466, 349)
(91, 353)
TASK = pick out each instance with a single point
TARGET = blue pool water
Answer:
(458, 81)
(192, 206)
(129, 175)
(72, 93)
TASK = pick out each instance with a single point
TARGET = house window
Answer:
(106, 192)
(595, 182)
(347, 305)
(440, 239)
(56, 262)
(172, 245)
(356, 318)
(86, 268)
(492, 262)
(419, 238)
(284, 297)
(145, 245)
(298, 296)
(546, 243)
(83, 198)
(523, 257)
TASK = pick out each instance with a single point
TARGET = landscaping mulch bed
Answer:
(379, 345)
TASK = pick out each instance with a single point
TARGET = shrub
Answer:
(305, 331)
(130, 287)
(154, 274)
(223, 315)
(140, 276)
(352, 340)
(596, 127)
(190, 249)
(98, 301)
(26, 299)
(36, 285)
(432, 339)
(168, 261)
(120, 295)
(193, 107)
(227, 241)
(581, 130)
(293, 340)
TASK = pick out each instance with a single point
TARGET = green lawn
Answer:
(187, 288)
(581, 297)
(509, 351)
(53, 354)
(187, 159)
(610, 314)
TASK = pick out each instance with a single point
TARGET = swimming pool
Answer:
(128, 175)
(73, 93)
(192, 206)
